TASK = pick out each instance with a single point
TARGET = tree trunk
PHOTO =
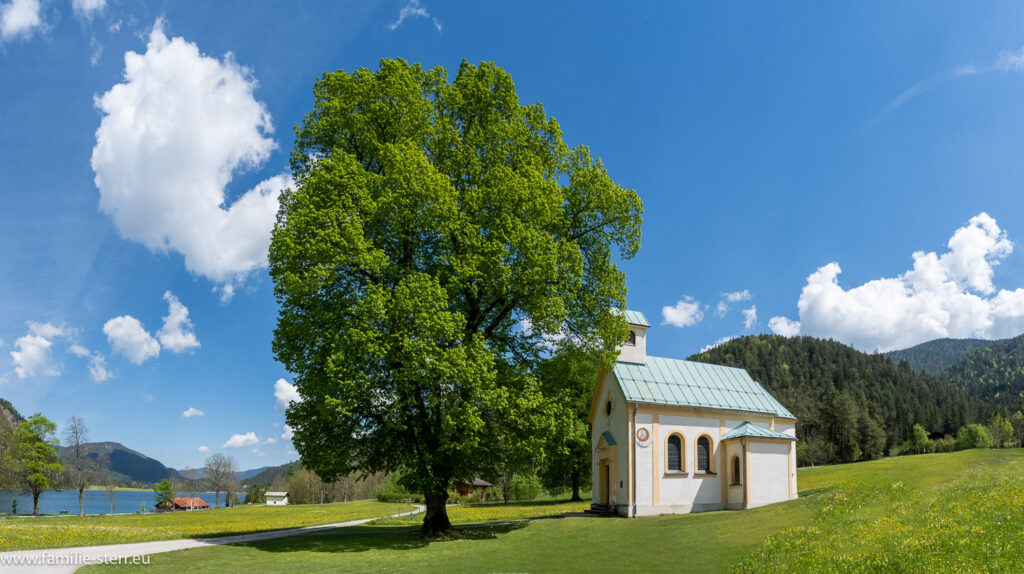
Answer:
(81, 505)
(35, 503)
(576, 486)
(435, 521)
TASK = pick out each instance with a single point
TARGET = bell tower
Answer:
(634, 349)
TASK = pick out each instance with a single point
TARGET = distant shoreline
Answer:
(96, 487)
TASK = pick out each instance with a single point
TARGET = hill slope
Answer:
(123, 465)
(9, 413)
(936, 356)
(850, 404)
(995, 373)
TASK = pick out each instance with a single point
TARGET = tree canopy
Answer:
(439, 234)
(37, 445)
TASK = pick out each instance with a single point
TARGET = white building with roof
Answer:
(674, 436)
(277, 498)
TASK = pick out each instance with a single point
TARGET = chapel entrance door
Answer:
(606, 485)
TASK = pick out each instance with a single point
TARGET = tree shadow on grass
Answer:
(365, 538)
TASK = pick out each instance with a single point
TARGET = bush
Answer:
(525, 487)
(394, 496)
(973, 436)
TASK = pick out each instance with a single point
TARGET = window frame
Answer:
(736, 468)
(682, 453)
(711, 455)
(631, 340)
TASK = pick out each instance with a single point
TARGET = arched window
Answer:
(735, 471)
(632, 338)
(608, 408)
(674, 454)
(703, 454)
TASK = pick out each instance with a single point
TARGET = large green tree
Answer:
(439, 231)
(37, 446)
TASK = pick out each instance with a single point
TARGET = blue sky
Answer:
(773, 145)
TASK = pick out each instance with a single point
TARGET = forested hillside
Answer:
(994, 373)
(9, 413)
(938, 355)
(850, 405)
(123, 466)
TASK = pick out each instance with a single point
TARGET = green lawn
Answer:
(26, 532)
(942, 512)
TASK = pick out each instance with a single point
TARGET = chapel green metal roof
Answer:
(747, 430)
(636, 318)
(680, 383)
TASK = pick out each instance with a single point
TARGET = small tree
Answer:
(920, 443)
(973, 436)
(37, 443)
(164, 493)
(111, 496)
(220, 471)
(80, 472)
(1001, 430)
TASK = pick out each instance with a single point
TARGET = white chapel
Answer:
(674, 436)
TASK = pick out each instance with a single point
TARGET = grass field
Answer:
(958, 512)
(26, 532)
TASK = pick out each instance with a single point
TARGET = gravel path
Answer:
(68, 560)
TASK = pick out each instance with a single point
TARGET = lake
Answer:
(96, 501)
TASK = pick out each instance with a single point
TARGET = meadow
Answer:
(955, 512)
(27, 532)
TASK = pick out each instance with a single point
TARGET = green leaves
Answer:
(430, 222)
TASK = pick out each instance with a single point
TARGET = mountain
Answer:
(994, 373)
(123, 465)
(850, 404)
(244, 474)
(9, 413)
(936, 356)
(267, 476)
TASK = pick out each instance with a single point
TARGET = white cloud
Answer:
(98, 368)
(79, 351)
(193, 412)
(947, 295)
(128, 337)
(241, 440)
(285, 393)
(717, 343)
(177, 335)
(750, 317)
(685, 313)
(256, 451)
(783, 326)
(20, 18)
(288, 433)
(32, 357)
(204, 448)
(48, 331)
(721, 309)
(270, 440)
(413, 9)
(172, 136)
(737, 296)
(1006, 61)
(86, 9)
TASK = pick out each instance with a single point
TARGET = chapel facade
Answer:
(675, 436)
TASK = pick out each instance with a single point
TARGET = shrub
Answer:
(525, 487)
(973, 436)
(393, 496)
